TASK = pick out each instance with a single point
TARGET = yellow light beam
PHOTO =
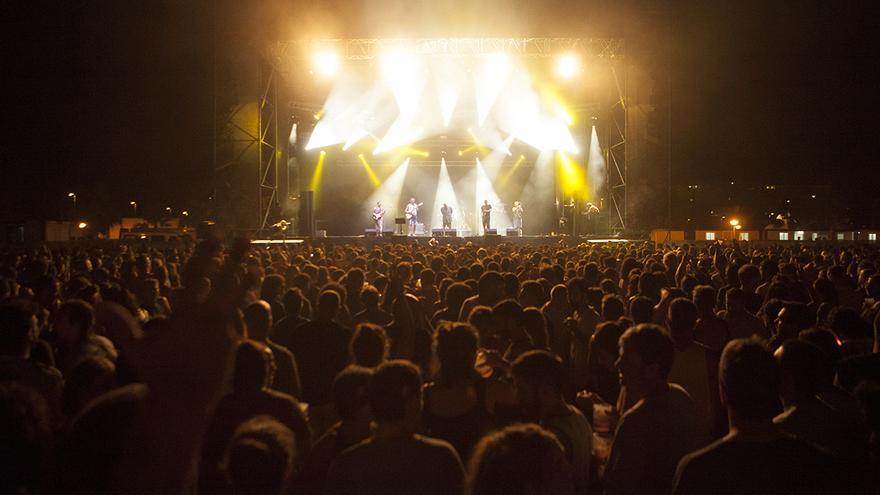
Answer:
(372, 175)
(316, 175)
(404, 151)
(477, 143)
(572, 179)
(510, 172)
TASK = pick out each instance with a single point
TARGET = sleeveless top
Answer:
(464, 430)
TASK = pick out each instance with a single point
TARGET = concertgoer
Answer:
(754, 457)
(539, 378)
(660, 428)
(519, 460)
(395, 459)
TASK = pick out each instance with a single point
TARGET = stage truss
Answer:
(288, 59)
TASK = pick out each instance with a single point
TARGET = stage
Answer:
(490, 240)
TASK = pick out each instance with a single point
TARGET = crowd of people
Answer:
(620, 368)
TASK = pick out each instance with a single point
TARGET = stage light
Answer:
(506, 177)
(567, 65)
(449, 79)
(571, 177)
(460, 153)
(596, 169)
(316, 175)
(401, 133)
(326, 63)
(445, 193)
(492, 78)
(82, 225)
(406, 77)
(734, 222)
(370, 173)
(354, 138)
(485, 190)
(504, 147)
(389, 191)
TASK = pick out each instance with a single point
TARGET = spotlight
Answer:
(82, 225)
(734, 222)
(323, 152)
(567, 65)
(326, 63)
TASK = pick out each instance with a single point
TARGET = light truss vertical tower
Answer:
(268, 146)
(616, 155)
(246, 174)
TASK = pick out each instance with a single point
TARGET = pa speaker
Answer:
(306, 214)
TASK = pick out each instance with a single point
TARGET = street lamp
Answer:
(72, 196)
(734, 224)
(134, 206)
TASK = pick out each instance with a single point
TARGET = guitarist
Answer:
(378, 213)
(411, 212)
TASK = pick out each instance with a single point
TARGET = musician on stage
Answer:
(591, 212)
(280, 228)
(486, 211)
(378, 213)
(517, 216)
(446, 216)
(411, 212)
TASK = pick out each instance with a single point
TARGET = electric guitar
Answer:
(409, 214)
(378, 216)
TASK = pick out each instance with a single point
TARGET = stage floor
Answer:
(455, 241)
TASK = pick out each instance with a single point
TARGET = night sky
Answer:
(112, 99)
